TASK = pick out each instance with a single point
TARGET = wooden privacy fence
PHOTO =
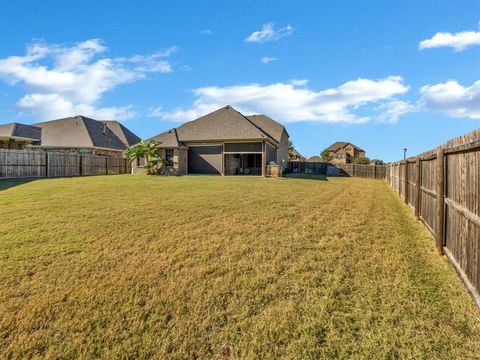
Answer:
(366, 171)
(36, 164)
(357, 170)
(442, 187)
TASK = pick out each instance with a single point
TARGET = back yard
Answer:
(211, 267)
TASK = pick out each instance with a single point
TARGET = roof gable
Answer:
(78, 131)
(168, 139)
(340, 145)
(268, 126)
(223, 124)
(124, 134)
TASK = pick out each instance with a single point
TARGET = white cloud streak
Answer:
(268, 33)
(291, 103)
(266, 59)
(452, 99)
(458, 41)
(393, 110)
(70, 80)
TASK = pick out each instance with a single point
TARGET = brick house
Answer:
(78, 134)
(224, 142)
(18, 136)
(344, 152)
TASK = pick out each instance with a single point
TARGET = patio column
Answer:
(263, 159)
(223, 159)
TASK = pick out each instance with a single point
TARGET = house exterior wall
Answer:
(282, 152)
(180, 161)
(271, 154)
(179, 166)
(347, 152)
(13, 144)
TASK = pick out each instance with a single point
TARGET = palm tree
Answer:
(147, 150)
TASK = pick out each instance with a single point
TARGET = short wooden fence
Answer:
(16, 164)
(442, 188)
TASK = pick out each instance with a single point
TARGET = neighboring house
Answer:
(18, 136)
(315, 159)
(77, 134)
(224, 142)
(294, 155)
(343, 152)
(376, 162)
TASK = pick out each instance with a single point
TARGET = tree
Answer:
(361, 160)
(147, 150)
(325, 155)
(291, 150)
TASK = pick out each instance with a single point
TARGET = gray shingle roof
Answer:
(315, 159)
(168, 139)
(223, 124)
(226, 124)
(16, 130)
(79, 131)
(125, 135)
(268, 126)
(340, 144)
(296, 153)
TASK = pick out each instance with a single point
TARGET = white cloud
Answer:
(266, 59)
(458, 41)
(46, 104)
(299, 82)
(268, 33)
(290, 103)
(393, 110)
(452, 99)
(70, 80)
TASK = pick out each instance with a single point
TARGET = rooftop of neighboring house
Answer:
(124, 134)
(20, 132)
(315, 159)
(340, 145)
(295, 153)
(223, 124)
(77, 131)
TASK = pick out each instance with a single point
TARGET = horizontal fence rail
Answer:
(16, 164)
(442, 187)
(357, 170)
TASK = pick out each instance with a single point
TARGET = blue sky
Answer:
(329, 70)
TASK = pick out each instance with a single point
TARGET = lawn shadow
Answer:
(9, 183)
(305, 176)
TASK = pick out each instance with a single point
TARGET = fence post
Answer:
(81, 165)
(440, 200)
(405, 174)
(46, 164)
(106, 165)
(418, 183)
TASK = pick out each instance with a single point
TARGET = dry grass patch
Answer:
(211, 267)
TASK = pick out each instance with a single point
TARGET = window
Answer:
(169, 157)
(357, 153)
(339, 155)
(140, 161)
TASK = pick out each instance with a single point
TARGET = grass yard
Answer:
(211, 267)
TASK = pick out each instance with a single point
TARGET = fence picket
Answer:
(447, 201)
(16, 164)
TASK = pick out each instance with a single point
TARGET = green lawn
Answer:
(211, 267)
